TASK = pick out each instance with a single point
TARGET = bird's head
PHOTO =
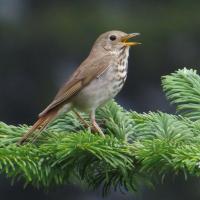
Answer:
(114, 41)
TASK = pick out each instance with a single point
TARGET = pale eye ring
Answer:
(113, 37)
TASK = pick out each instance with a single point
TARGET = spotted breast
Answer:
(106, 86)
(121, 70)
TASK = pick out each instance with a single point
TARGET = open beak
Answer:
(125, 39)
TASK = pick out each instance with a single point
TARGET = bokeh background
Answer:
(42, 42)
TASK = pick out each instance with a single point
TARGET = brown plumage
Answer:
(98, 79)
(39, 125)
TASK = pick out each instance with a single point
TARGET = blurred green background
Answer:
(43, 41)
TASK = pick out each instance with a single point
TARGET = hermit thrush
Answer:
(98, 79)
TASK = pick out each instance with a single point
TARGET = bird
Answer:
(98, 79)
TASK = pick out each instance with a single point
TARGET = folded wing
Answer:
(81, 77)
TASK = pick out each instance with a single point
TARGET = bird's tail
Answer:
(39, 125)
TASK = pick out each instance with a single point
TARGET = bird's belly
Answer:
(98, 92)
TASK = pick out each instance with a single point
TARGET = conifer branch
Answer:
(183, 89)
(138, 148)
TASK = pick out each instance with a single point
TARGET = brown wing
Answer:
(86, 72)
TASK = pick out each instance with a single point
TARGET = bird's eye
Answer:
(113, 37)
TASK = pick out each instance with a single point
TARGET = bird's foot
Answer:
(82, 120)
(96, 128)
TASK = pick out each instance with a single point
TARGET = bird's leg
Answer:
(86, 125)
(95, 125)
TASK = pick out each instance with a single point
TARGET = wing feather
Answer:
(81, 77)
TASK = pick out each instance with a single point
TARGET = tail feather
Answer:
(39, 125)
